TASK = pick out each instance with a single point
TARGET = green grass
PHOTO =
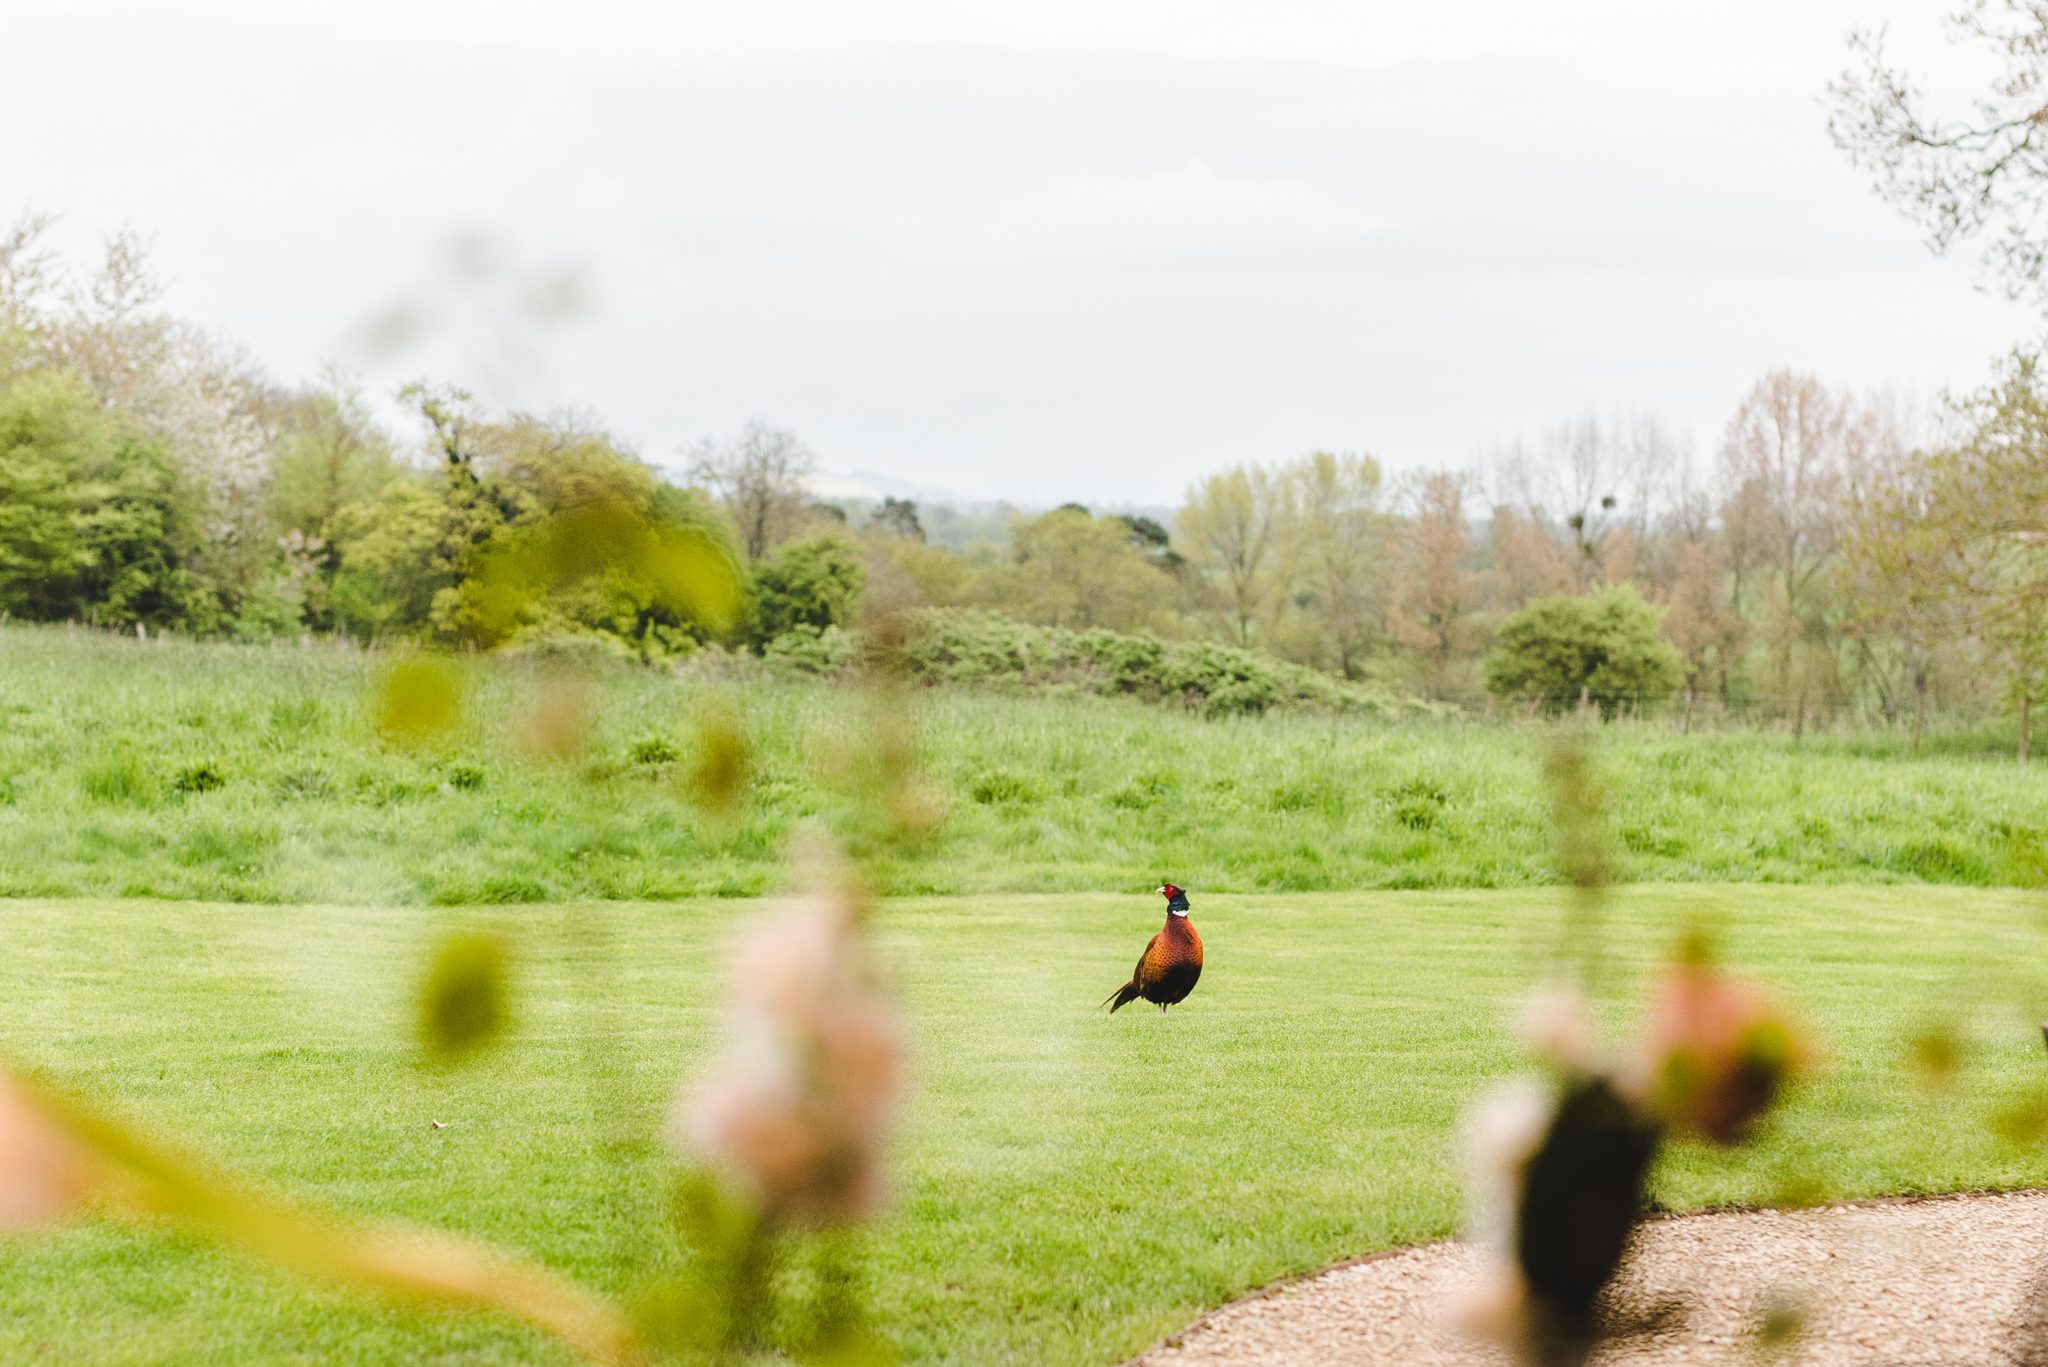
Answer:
(231, 773)
(1069, 1185)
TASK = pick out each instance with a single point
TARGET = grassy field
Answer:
(186, 771)
(1069, 1185)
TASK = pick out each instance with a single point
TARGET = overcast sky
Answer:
(1058, 250)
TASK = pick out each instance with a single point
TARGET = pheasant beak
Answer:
(1160, 890)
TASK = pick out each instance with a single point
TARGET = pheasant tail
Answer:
(1123, 996)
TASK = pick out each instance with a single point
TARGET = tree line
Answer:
(1822, 560)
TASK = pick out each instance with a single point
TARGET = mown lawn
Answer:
(1070, 1185)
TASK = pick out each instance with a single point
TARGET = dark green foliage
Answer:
(1603, 647)
(93, 525)
(465, 999)
(464, 778)
(203, 777)
(813, 583)
(897, 515)
(654, 750)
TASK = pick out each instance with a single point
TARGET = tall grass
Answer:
(244, 773)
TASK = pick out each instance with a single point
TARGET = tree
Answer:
(1699, 620)
(1074, 570)
(1529, 560)
(1981, 542)
(1785, 459)
(1434, 591)
(897, 516)
(1590, 487)
(1982, 175)
(760, 479)
(1232, 529)
(92, 522)
(387, 574)
(1603, 649)
(1893, 576)
(1340, 534)
(329, 456)
(814, 583)
(27, 279)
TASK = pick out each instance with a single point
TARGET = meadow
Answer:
(253, 773)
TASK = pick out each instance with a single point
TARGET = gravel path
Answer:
(1946, 1282)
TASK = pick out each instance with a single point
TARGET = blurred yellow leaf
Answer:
(694, 575)
(417, 700)
(138, 1176)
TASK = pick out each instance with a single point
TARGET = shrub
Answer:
(954, 646)
(202, 777)
(652, 749)
(821, 651)
(813, 583)
(465, 778)
(1418, 804)
(1603, 647)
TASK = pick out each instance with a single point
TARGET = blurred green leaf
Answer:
(464, 1003)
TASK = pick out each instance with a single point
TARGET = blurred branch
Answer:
(76, 1154)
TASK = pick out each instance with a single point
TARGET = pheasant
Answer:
(1171, 963)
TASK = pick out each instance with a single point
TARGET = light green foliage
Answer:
(1603, 647)
(1299, 1109)
(812, 584)
(1234, 531)
(1069, 568)
(317, 806)
(385, 580)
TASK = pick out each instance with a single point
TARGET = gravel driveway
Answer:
(1952, 1281)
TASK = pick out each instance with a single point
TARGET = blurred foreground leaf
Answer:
(683, 568)
(134, 1176)
(465, 1001)
(718, 768)
(417, 700)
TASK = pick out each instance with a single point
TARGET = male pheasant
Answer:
(1171, 963)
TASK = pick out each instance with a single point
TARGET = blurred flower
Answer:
(44, 1174)
(1559, 1178)
(1501, 1131)
(797, 1107)
(1716, 1051)
(558, 724)
(1558, 1026)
